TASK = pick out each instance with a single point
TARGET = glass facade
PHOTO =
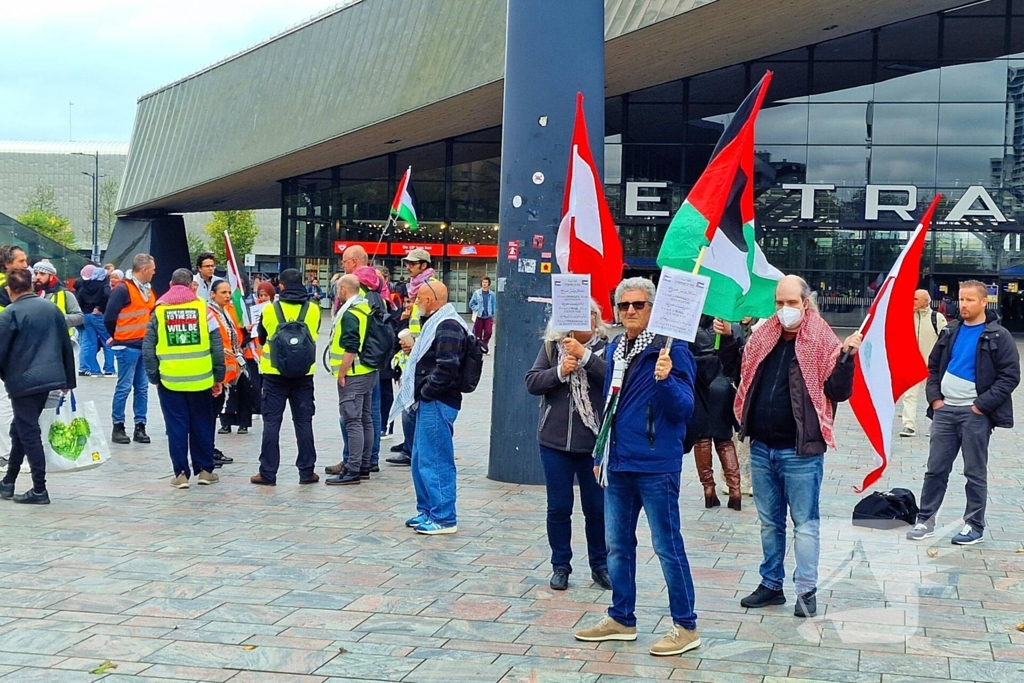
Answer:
(37, 247)
(856, 137)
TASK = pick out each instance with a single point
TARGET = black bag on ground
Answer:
(472, 366)
(886, 509)
(292, 348)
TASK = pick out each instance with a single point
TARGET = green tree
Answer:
(108, 207)
(196, 246)
(43, 216)
(240, 226)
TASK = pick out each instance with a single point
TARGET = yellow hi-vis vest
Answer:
(183, 346)
(362, 313)
(414, 315)
(3, 283)
(60, 297)
(270, 323)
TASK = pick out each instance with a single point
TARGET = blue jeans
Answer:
(433, 462)
(658, 495)
(93, 337)
(375, 408)
(189, 420)
(408, 432)
(131, 374)
(782, 478)
(560, 469)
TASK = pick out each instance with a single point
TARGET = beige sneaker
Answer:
(207, 478)
(180, 481)
(676, 642)
(607, 629)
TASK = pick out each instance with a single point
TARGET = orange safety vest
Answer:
(230, 362)
(134, 318)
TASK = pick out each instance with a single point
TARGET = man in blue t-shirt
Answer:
(972, 371)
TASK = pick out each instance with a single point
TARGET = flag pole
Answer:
(383, 234)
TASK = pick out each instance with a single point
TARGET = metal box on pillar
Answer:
(552, 51)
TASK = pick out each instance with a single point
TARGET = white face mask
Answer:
(789, 316)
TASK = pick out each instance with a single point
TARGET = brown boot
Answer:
(731, 467)
(702, 456)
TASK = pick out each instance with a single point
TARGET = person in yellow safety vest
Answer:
(184, 356)
(356, 382)
(278, 390)
(48, 285)
(417, 261)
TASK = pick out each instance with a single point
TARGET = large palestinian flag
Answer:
(718, 215)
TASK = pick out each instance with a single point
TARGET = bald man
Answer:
(431, 391)
(927, 326)
(354, 257)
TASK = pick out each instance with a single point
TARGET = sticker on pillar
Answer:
(545, 267)
(513, 251)
(528, 265)
(517, 201)
(538, 241)
(545, 254)
(538, 178)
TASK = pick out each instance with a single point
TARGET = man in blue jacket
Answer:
(644, 458)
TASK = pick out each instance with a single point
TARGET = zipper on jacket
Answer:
(650, 424)
(568, 437)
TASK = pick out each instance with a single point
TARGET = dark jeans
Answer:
(955, 429)
(354, 405)
(560, 468)
(238, 405)
(483, 328)
(298, 394)
(188, 417)
(387, 399)
(658, 496)
(408, 432)
(27, 441)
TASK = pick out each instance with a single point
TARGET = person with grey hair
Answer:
(791, 380)
(639, 450)
(928, 324)
(569, 376)
(126, 318)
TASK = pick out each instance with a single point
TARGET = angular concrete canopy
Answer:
(377, 76)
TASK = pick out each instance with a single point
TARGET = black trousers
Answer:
(238, 407)
(27, 441)
(298, 394)
(387, 399)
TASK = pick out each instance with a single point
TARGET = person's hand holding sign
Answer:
(663, 366)
(573, 347)
(568, 365)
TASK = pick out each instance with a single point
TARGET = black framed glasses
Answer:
(637, 305)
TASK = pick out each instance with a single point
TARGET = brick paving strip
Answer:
(311, 584)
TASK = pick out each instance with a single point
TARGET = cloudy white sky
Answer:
(103, 54)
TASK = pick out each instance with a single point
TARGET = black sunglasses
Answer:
(637, 305)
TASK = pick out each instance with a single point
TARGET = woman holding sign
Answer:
(569, 375)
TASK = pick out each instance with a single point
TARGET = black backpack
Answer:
(472, 365)
(886, 509)
(379, 345)
(292, 348)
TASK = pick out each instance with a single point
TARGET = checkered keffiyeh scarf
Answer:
(817, 350)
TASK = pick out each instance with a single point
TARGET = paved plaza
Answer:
(307, 584)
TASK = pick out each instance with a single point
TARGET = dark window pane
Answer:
(977, 82)
(960, 166)
(1016, 36)
(613, 115)
(427, 162)
(665, 93)
(980, 9)
(475, 202)
(917, 39)
(485, 135)
(724, 85)
(783, 125)
(651, 162)
(857, 46)
(655, 123)
(905, 123)
(778, 164)
(972, 124)
(369, 169)
(903, 165)
(841, 166)
(707, 122)
(789, 79)
(973, 37)
(837, 124)
(842, 82)
(918, 84)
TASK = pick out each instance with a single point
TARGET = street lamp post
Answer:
(95, 203)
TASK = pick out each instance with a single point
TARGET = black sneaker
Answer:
(119, 435)
(365, 474)
(601, 578)
(806, 605)
(375, 467)
(218, 456)
(243, 430)
(140, 434)
(400, 459)
(31, 497)
(343, 479)
(84, 373)
(560, 580)
(762, 597)
(226, 429)
(6, 490)
(397, 448)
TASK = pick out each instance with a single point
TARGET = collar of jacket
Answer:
(293, 294)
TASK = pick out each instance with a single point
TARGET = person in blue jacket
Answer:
(643, 461)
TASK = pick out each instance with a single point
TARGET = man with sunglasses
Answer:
(649, 392)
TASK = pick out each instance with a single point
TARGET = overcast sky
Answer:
(103, 54)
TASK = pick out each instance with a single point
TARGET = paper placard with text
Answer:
(679, 304)
(570, 302)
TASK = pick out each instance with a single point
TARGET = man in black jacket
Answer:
(36, 358)
(972, 372)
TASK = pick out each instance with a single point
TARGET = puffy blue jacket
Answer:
(650, 423)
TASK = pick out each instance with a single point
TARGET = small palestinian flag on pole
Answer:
(235, 280)
(402, 208)
(718, 219)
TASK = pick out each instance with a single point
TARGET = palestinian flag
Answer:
(718, 216)
(402, 208)
(235, 280)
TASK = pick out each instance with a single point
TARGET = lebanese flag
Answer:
(889, 361)
(402, 207)
(587, 241)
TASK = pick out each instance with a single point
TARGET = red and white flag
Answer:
(889, 361)
(588, 242)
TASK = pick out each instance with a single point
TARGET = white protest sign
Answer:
(679, 304)
(570, 302)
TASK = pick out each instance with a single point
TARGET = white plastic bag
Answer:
(72, 436)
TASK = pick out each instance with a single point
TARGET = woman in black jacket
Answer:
(569, 375)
